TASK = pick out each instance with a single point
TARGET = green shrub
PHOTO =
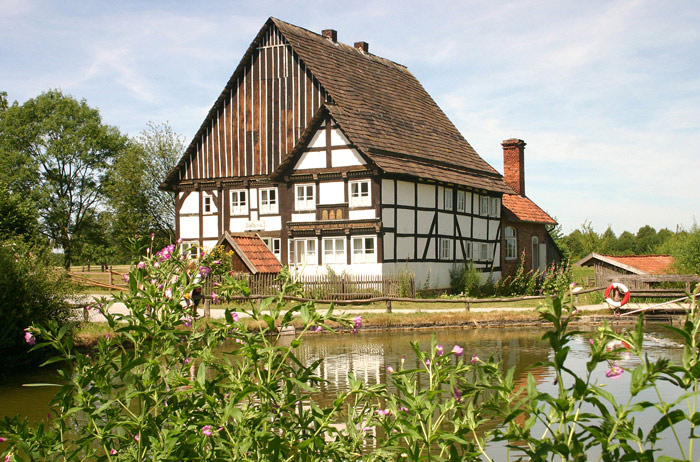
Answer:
(465, 279)
(31, 292)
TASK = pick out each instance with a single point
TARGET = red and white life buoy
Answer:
(622, 290)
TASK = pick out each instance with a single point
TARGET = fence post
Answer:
(388, 306)
(207, 308)
(111, 282)
(467, 307)
(86, 314)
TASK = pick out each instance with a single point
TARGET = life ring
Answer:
(622, 289)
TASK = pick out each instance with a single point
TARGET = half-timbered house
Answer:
(338, 159)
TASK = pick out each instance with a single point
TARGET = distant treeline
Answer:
(682, 244)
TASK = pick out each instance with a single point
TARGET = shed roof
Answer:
(252, 251)
(637, 264)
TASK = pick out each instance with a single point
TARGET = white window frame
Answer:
(333, 253)
(302, 201)
(275, 246)
(511, 238)
(269, 200)
(447, 202)
(484, 205)
(358, 197)
(239, 202)
(461, 201)
(483, 251)
(493, 206)
(190, 248)
(364, 254)
(307, 246)
(445, 249)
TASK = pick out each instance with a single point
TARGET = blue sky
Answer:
(606, 94)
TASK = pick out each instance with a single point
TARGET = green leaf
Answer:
(664, 422)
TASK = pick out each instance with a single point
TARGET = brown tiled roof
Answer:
(253, 252)
(388, 115)
(520, 208)
(652, 264)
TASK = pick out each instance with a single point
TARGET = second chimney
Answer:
(514, 164)
(330, 34)
(362, 46)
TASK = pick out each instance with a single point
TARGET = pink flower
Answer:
(29, 338)
(206, 430)
(204, 271)
(440, 350)
(153, 235)
(389, 370)
(113, 451)
(179, 240)
(153, 281)
(156, 264)
(403, 409)
(2, 440)
(475, 358)
(318, 329)
(217, 262)
(357, 321)
(8, 458)
(214, 297)
(187, 322)
(169, 292)
(141, 265)
(126, 277)
(235, 317)
(457, 350)
(383, 412)
(457, 394)
(137, 437)
(427, 362)
(187, 360)
(614, 372)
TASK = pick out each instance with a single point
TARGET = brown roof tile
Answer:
(253, 252)
(521, 208)
(653, 264)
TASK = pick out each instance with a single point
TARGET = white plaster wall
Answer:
(436, 273)
(272, 223)
(426, 195)
(253, 200)
(405, 193)
(191, 204)
(331, 193)
(464, 225)
(211, 226)
(446, 224)
(405, 220)
(404, 248)
(479, 228)
(304, 217)
(338, 138)
(189, 227)
(387, 191)
(388, 244)
(237, 225)
(318, 140)
(363, 268)
(346, 158)
(208, 245)
(459, 255)
(311, 159)
(425, 219)
(388, 217)
(493, 229)
(441, 197)
(421, 247)
(361, 214)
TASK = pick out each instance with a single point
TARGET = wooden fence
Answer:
(657, 285)
(331, 287)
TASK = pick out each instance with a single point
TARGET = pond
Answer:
(368, 353)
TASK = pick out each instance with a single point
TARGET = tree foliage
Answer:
(64, 150)
(136, 203)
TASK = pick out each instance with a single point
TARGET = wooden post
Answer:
(687, 287)
(388, 306)
(207, 308)
(86, 314)
(467, 305)
(111, 281)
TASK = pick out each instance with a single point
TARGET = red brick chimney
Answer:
(362, 46)
(330, 34)
(514, 164)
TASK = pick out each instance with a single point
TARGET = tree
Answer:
(18, 216)
(65, 150)
(137, 204)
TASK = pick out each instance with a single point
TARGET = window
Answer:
(483, 251)
(302, 252)
(207, 204)
(191, 249)
(535, 253)
(268, 200)
(363, 249)
(359, 194)
(239, 202)
(493, 206)
(334, 250)
(275, 246)
(448, 199)
(511, 243)
(305, 197)
(484, 208)
(445, 249)
(461, 201)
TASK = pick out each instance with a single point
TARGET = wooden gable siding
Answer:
(259, 122)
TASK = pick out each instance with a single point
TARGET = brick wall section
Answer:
(523, 232)
(514, 164)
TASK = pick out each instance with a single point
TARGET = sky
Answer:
(606, 94)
